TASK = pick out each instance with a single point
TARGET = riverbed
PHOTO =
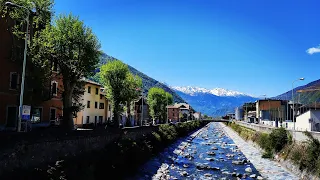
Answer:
(208, 153)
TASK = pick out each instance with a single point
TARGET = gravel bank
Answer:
(269, 169)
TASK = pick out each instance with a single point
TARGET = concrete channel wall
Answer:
(297, 135)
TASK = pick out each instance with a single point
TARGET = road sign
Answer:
(26, 110)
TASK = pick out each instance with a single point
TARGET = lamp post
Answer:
(141, 108)
(294, 112)
(10, 4)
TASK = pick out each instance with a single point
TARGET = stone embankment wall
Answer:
(25, 150)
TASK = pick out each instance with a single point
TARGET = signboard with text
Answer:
(26, 110)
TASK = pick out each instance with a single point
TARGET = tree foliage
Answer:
(121, 86)
(158, 100)
(74, 48)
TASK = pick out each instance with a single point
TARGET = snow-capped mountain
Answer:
(214, 102)
(216, 91)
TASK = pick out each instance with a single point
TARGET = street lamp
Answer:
(10, 4)
(167, 107)
(141, 108)
(294, 112)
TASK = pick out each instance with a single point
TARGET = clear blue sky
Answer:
(252, 46)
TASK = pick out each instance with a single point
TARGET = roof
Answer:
(269, 100)
(180, 106)
(91, 82)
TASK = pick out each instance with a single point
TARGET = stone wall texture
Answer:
(32, 149)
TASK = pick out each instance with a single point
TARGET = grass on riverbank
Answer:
(118, 160)
(305, 155)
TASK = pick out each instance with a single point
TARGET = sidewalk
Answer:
(269, 169)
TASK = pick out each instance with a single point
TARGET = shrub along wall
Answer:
(279, 142)
(118, 159)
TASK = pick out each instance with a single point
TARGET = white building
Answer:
(308, 121)
(197, 116)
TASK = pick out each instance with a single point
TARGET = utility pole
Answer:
(294, 111)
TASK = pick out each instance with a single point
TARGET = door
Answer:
(12, 116)
(53, 114)
(100, 119)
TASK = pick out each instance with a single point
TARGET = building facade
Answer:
(173, 112)
(180, 112)
(43, 110)
(96, 109)
(141, 112)
(271, 110)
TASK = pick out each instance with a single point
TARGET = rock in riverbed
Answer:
(210, 153)
(238, 162)
(209, 159)
(207, 167)
(253, 176)
(248, 169)
(214, 148)
(184, 173)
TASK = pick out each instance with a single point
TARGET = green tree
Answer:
(121, 86)
(157, 101)
(74, 48)
(133, 84)
(180, 116)
(205, 116)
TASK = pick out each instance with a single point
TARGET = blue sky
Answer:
(256, 47)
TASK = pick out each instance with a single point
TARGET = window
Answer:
(172, 114)
(54, 86)
(101, 106)
(87, 120)
(88, 104)
(101, 96)
(95, 120)
(97, 91)
(14, 80)
(36, 115)
(89, 89)
(109, 107)
(96, 105)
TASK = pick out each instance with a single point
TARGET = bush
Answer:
(264, 141)
(278, 139)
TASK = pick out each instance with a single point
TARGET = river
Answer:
(206, 154)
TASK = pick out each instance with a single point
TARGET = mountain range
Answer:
(147, 81)
(217, 101)
(310, 94)
(214, 102)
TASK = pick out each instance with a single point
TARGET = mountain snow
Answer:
(216, 91)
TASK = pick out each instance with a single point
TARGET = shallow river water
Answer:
(206, 154)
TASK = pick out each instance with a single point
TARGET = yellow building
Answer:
(97, 109)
